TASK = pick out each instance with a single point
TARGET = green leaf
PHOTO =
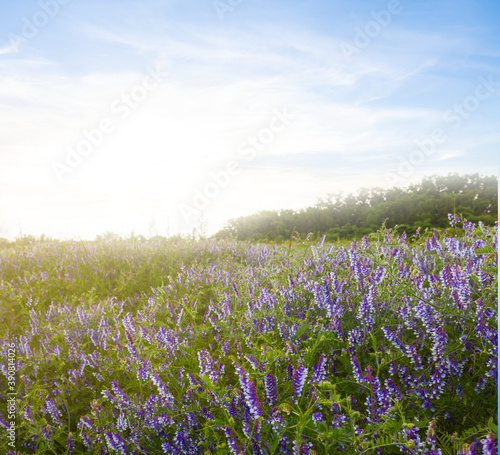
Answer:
(301, 330)
(488, 249)
(493, 427)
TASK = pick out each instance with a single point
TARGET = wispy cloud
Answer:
(8, 49)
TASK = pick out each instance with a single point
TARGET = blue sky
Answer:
(151, 115)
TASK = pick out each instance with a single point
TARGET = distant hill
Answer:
(424, 205)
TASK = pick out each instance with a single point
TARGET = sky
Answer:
(164, 116)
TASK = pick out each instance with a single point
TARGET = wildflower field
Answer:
(385, 345)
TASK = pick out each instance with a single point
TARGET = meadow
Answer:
(193, 346)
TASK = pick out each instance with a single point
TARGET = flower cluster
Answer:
(248, 388)
(225, 347)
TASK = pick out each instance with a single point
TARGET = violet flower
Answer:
(299, 380)
(248, 388)
(270, 389)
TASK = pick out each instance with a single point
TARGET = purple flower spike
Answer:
(69, 444)
(207, 365)
(115, 442)
(162, 388)
(121, 396)
(270, 388)
(85, 423)
(446, 278)
(252, 362)
(319, 370)
(357, 370)
(431, 434)
(27, 414)
(231, 442)
(54, 412)
(249, 391)
(299, 380)
(143, 371)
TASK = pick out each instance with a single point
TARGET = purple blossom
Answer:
(143, 370)
(393, 390)
(131, 348)
(248, 388)
(98, 376)
(252, 361)
(302, 448)
(167, 448)
(355, 337)
(412, 354)
(207, 365)
(56, 415)
(121, 422)
(128, 324)
(276, 421)
(319, 370)
(431, 434)
(121, 399)
(358, 376)
(454, 220)
(115, 442)
(299, 380)
(225, 347)
(427, 404)
(356, 267)
(230, 406)
(270, 389)
(85, 422)
(27, 414)
(234, 447)
(489, 446)
(446, 278)
(4, 424)
(481, 384)
(393, 339)
(47, 433)
(162, 388)
(247, 422)
(69, 444)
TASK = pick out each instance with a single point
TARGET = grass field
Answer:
(183, 346)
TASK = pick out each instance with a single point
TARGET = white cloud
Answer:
(8, 49)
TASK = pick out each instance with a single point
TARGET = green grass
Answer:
(406, 329)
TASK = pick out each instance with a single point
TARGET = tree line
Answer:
(338, 216)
